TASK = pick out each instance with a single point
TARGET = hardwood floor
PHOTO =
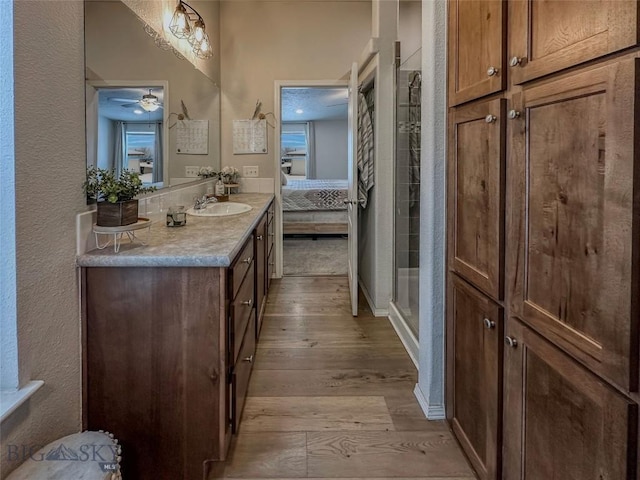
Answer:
(331, 396)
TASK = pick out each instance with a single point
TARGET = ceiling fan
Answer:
(149, 102)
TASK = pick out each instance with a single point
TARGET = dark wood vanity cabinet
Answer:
(264, 239)
(156, 369)
(168, 357)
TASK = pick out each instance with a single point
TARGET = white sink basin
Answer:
(221, 209)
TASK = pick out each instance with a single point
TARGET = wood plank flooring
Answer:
(331, 396)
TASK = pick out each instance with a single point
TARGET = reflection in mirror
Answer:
(127, 72)
(131, 131)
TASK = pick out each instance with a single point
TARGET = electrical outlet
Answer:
(250, 171)
(191, 171)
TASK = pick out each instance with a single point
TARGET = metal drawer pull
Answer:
(490, 118)
(259, 237)
(513, 114)
(248, 302)
(248, 359)
(492, 71)
(489, 323)
(512, 342)
(248, 260)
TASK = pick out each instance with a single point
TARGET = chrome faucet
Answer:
(201, 203)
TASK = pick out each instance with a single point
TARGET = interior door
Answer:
(352, 201)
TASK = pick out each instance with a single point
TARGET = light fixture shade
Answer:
(179, 25)
(149, 107)
(204, 48)
(197, 33)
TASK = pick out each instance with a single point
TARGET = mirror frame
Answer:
(96, 84)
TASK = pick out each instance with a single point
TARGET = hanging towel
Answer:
(365, 151)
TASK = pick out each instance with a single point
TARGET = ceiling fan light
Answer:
(203, 49)
(179, 24)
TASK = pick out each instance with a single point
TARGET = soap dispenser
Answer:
(219, 189)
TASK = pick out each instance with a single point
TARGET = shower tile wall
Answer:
(407, 213)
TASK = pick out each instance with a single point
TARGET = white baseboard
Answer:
(432, 412)
(377, 312)
(407, 337)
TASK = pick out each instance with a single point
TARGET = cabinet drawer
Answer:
(240, 266)
(242, 309)
(241, 375)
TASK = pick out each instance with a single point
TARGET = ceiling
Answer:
(316, 103)
(123, 108)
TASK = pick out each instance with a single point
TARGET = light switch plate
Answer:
(250, 171)
(191, 171)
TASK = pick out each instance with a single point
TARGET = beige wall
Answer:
(50, 169)
(264, 41)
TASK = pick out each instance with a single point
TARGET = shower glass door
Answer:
(407, 190)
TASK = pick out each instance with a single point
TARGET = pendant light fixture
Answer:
(187, 23)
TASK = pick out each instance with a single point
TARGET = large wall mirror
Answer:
(136, 93)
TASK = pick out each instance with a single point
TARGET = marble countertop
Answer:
(202, 242)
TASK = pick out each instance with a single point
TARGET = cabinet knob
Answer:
(515, 61)
(512, 342)
(272, 263)
(492, 71)
(248, 260)
(259, 237)
(490, 118)
(513, 114)
(248, 302)
(272, 234)
(248, 359)
(489, 323)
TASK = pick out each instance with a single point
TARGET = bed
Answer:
(313, 207)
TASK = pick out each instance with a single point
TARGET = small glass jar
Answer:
(176, 216)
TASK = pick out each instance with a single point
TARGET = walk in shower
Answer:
(407, 170)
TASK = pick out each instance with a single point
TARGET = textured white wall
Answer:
(375, 249)
(50, 169)
(8, 336)
(265, 41)
(331, 149)
(432, 209)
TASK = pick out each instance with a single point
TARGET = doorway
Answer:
(312, 166)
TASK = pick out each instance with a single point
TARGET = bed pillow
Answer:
(283, 178)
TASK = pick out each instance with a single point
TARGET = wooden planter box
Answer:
(117, 214)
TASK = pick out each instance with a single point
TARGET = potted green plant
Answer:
(115, 195)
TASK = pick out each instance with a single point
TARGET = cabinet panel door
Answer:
(548, 36)
(260, 269)
(561, 421)
(573, 220)
(476, 194)
(476, 58)
(474, 356)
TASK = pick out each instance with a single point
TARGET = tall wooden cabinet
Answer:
(544, 226)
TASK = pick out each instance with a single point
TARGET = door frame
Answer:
(277, 184)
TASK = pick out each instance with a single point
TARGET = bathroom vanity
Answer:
(170, 331)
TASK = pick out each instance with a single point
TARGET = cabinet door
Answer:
(260, 269)
(476, 194)
(476, 51)
(474, 355)
(545, 37)
(573, 221)
(561, 421)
